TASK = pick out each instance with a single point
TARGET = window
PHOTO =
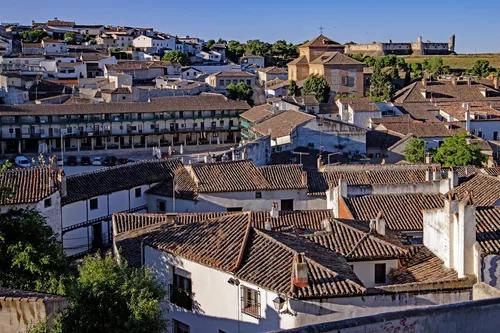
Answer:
(47, 203)
(180, 327)
(379, 273)
(287, 204)
(221, 123)
(250, 302)
(138, 192)
(495, 136)
(345, 80)
(234, 209)
(93, 204)
(161, 206)
(180, 292)
(258, 195)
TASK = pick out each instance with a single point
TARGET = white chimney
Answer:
(428, 175)
(463, 249)
(342, 188)
(327, 225)
(244, 154)
(428, 158)
(206, 158)
(267, 225)
(467, 117)
(274, 211)
(233, 154)
(380, 224)
(453, 177)
(436, 174)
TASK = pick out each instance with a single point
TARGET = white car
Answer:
(22, 162)
(60, 162)
(97, 160)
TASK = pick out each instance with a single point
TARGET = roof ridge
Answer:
(122, 166)
(244, 244)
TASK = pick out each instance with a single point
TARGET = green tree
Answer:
(415, 150)
(455, 151)
(258, 48)
(87, 38)
(235, 50)
(31, 257)
(317, 86)
(358, 56)
(370, 61)
(292, 88)
(481, 68)
(381, 88)
(221, 41)
(210, 44)
(111, 297)
(433, 64)
(240, 92)
(70, 37)
(33, 36)
(176, 56)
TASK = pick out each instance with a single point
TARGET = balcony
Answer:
(180, 297)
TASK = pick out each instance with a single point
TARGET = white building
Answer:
(209, 56)
(154, 44)
(358, 111)
(54, 46)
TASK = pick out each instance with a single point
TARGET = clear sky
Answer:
(475, 23)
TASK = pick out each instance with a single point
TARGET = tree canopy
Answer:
(455, 151)
(235, 50)
(415, 150)
(381, 88)
(176, 56)
(240, 91)
(70, 37)
(292, 88)
(481, 68)
(317, 86)
(31, 257)
(33, 36)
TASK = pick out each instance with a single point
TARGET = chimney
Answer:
(342, 188)
(380, 224)
(233, 154)
(428, 159)
(467, 117)
(428, 175)
(490, 162)
(267, 225)
(206, 158)
(327, 225)
(274, 211)
(244, 154)
(436, 174)
(463, 253)
(453, 177)
(495, 83)
(469, 81)
(454, 81)
(300, 271)
(61, 177)
(424, 81)
(319, 163)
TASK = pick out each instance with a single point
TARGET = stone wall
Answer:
(472, 317)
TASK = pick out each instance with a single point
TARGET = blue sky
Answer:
(362, 21)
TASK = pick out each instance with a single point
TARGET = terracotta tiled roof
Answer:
(233, 176)
(104, 181)
(457, 110)
(184, 184)
(320, 41)
(419, 111)
(164, 104)
(392, 119)
(402, 212)
(488, 229)
(24, 186)
(307, 100)
(264, 258)
(272, 70)
(485, 190)
(422, 266)
(59, 23)
(31, 45)
(355, 241)
(335, 58)
(319, 182)
(282, 123)
(257, 113)
(234, 74)
(138, 65)
(79, 100)
(284, 176)
(464, 171)
(422, 130)
(362, 104)
(292, 220)
(445, 91)
(381, 139)
(495, 171)
(302, 60)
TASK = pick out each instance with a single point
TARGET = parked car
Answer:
(60, 162)
(72, 160)
(97, 160)
(85, 160)
(22, 162)
(109, 160)
(122, 160)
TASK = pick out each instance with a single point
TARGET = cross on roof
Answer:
(321, 29)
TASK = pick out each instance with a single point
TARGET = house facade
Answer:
(219, 81)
